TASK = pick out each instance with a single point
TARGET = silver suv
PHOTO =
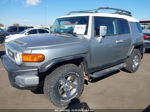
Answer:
(80, 47)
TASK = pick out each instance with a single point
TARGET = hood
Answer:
(15, 35)
(45, 40)
(12, 37)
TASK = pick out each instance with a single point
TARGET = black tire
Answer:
(130, 67)
(54, 84)
(38, 90)
(1, 40)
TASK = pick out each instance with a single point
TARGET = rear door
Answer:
(124, 38)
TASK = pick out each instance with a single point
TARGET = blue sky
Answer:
(44, 12)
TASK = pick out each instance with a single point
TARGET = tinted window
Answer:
(139, 27)
(42, 31)
(123, 26)
(103, 21)
(21, 29)
(12, 29)
(27, 27)
(32, 32)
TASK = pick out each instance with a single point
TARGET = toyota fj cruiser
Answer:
(80, 47)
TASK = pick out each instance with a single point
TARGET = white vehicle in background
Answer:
(26, 33)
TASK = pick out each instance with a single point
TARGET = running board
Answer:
(107, 71)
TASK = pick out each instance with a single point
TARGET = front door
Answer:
(106, 52)
(124, 38)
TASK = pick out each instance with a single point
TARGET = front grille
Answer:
(10, 53)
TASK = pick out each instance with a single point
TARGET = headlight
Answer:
(8, 38)
(18, 58)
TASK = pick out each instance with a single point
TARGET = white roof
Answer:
(128, 18)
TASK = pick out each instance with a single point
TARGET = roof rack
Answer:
(118, 11)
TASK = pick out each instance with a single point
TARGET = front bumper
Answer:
(147, 44)
(19, 76)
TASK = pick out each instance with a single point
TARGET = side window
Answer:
(139, 27)
(12, 29)
(32, 32)
(21, 29)
(42, 31)
(123, 26)
(104, 21)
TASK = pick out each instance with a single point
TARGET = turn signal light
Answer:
(33, 57)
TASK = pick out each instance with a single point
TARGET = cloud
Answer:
(32, 2)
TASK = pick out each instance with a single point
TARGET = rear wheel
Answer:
(64, 84)
(133, 62)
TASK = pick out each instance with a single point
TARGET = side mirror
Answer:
(26, 33)
(102, 32)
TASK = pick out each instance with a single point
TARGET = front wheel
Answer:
(133, 62)
(64, 84)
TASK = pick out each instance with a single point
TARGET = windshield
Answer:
(77, 25)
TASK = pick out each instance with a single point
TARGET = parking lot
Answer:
(119, 91)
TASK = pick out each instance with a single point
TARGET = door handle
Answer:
(119, 41)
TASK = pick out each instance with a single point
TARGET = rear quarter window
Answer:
(139, 28)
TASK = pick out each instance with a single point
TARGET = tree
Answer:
(16, 24)
(1, 25)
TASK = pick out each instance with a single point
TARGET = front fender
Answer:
(53, 62)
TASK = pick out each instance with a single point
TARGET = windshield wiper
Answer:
(65, 33)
